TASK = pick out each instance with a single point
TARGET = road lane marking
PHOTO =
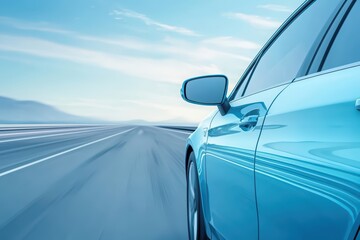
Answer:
(59, 130)
(61, 153)
(45, 136)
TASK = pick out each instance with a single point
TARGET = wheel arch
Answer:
(189, 150)
(202, 187)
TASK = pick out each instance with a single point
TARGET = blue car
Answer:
(280, 156)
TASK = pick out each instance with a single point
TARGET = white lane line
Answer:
(61, 153)
(43, 131)
(179, 131)
(45, 136)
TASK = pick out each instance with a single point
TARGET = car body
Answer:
(280, 158)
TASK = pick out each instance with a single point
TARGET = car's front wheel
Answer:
(196, 229)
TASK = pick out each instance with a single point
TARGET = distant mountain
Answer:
(27, 112)
(169, 122)
(178, 122)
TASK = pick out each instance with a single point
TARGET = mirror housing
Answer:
(207, 90)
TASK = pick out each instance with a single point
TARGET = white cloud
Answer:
(205, 50)
(210, 51)
(276, 8)
(123, 42)
(255, 20)
(228, 56)
(38, 26)
(165, 70)
(150, 22)
(231, 42)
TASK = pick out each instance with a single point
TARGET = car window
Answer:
(284, 58)
(345, 48)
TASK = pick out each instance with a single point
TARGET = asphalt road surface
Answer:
(92, 182)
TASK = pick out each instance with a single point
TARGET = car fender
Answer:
(196, 143)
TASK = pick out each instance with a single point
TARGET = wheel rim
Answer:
(192, 202)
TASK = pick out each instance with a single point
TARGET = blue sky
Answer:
(126, 59)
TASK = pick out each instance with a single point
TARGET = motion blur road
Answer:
(92, 182)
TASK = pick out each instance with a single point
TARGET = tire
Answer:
(195, 217)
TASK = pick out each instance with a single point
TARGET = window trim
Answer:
(245, 77)
(328, 71)
(334, 36)
(325, 46)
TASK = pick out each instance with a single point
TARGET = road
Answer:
(92, 182)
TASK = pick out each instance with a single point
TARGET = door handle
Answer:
(248, 122)
(357, 104)
(205, 131)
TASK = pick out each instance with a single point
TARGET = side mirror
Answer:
(207, 90)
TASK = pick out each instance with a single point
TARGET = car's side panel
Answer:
(308, 160)
(229, 167)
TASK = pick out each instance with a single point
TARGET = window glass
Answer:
(283, 60)
(346, 49)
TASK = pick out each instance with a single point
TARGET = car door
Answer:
(308, 156)
(233, 137)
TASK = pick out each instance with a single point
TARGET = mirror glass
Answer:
(207, 90)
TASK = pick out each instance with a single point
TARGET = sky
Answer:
(126, 59)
